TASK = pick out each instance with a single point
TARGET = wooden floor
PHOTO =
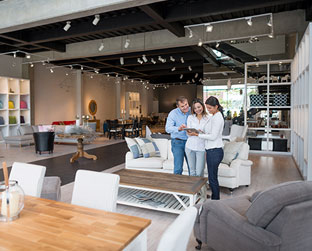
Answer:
(267, 171)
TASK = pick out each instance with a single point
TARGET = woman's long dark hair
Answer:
(213, 101)
(197, 100)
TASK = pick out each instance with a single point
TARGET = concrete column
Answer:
(79, 88)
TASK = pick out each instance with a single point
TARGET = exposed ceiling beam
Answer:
(201, 50)
(204, 8)
(235, 53)
(175, 28)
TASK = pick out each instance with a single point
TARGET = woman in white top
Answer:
(195, 146)
(213, 143)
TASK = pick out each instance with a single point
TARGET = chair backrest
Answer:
(176, 236)
(236, 132)
(96, 190)
(29, 177)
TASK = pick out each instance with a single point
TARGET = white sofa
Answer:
(233, 176)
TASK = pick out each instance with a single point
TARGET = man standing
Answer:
(176, 121)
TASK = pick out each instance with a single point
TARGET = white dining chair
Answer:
(177, 235)
(96, 190)
(30, 177)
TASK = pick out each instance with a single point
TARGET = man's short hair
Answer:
(180, 99)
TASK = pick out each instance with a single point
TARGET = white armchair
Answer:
(238, 133)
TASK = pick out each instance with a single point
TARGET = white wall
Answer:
(10, 66)
(54, 95)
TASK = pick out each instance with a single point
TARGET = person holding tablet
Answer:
(195, 146)
(213, 143)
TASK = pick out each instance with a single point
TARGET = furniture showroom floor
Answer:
(267, 170)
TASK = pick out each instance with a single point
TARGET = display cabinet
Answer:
(14, 104)
(267, 105)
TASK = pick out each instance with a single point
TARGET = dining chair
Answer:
(132, 130)
(96, 190)
(30, 177)
(177, 235)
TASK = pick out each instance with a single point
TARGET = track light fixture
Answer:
(28, 56)
(153, 61)
(249, 21)
(217, 44)
(200, 42)
(127, 43)
(144, 58)
(81, 67)
(14, 54)
(91, 76)
(172, 58)
(96, 71)
(43, 63)
(270, 23)
(161, 59)
(122, 61)
(71, 67)
(173, 69)
(96, 19)
(66, 73)
(196, 75)
(101, 46)
(190, 33)
(271, 35)
(193, 80)
(190, 68)
(181, 76)
(140, 61)
(209, 28)
(182, 60)
(31, 65)
(67, 26)
(51, 70)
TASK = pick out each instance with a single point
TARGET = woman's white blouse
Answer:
(213, 132)
(193, 142)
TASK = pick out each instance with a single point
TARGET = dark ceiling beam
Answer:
(202, 50)
(79, 29)
(204, 8)
(178, 72)
(175, 28)
(308, 13)
(235, 53)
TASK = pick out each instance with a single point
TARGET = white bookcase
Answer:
(302, 98)
(16, 90)
(268, 106)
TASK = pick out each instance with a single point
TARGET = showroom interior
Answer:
(134, 58)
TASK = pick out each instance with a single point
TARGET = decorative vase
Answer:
(11, 201)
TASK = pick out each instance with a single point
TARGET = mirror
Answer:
(92, 107)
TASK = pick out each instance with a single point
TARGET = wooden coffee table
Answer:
(167, 192)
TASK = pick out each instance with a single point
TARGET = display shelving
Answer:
(16, 90)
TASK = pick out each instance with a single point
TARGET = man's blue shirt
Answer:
(175, 119)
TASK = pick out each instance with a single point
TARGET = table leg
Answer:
(89, 156)
(81, 153)
(75, 157)
(139, 243)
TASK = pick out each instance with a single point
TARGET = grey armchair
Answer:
(279, 218)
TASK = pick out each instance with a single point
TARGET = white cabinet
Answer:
(268, 105)
(14, 104)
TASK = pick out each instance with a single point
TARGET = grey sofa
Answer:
(24, 137)
(279, 218)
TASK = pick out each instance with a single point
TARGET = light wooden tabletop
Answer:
(50, 225)
(161, 181)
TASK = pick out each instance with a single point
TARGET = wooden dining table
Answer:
(50, 225)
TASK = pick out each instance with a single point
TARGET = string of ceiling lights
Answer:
(209, 28)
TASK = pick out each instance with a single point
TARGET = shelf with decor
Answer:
(267, 106)
(15, 107)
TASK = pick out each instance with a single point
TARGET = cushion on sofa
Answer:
(148, 147)
(162, 145)
(169, 165)
(231, 151)
(146, 163)
(226, 171)
(170, 154)
(269, 202)
(134, 147)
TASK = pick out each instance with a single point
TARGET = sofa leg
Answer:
(247, 186)
(231, 190)
(198, 247)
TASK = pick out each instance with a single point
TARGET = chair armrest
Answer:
(237, 224)
(246, 162)
(129, 156)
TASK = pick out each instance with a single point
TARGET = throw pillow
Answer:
(231, 151)
(2, 120)
(149, 147)
(134, 148)
(11, 105)
(12, 120)
(1, 104)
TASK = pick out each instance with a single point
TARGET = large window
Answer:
(231, 99)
